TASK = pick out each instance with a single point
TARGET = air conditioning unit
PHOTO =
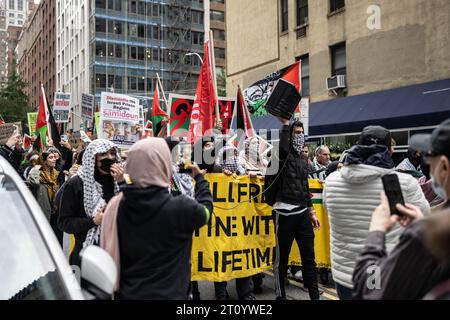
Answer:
(336, 82)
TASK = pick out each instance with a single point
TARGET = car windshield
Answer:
(27, 270)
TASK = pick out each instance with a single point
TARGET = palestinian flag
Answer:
(257, 95)
(56, 137)
(158, 114)
(27, 142)
(41, 124)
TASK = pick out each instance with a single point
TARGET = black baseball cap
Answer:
(375, 135)
(436, 143)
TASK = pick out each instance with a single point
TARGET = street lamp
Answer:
(196, 54)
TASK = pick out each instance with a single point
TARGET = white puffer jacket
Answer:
(351, 197)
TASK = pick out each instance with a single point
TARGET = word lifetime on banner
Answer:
(239, 240)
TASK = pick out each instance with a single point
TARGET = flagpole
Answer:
(162, 90)
(49, 128)
(213, 66)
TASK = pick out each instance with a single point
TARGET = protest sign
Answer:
(180, 108)
(62, 107)
(32, 122)
(119, 119)
(87, 107)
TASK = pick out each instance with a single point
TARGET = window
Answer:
(220, 53)
(118, 82)
(132, 53)
(141, 31)
(119, 51)
(110, 50)
(132, 6)
(141, 8)
(219, 34)
(338, 60)
(100, 25)
(132, 85)
(155, 35)
(305, 74)
(217, 16)
(100, 81)
(141, 83)
(197, 38)
(100, 49)
(114, 27)
(100, 4)
(12, 5)
(111, 81)
(132, 29)
(302, 12)
(155, 54)
(284, 16)
(197, 17)
(156, 11)
(336, 5)
(141, 54)
(118, 6)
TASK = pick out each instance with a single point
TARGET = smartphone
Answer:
(183, 167)
(393, 192)
(64, 138)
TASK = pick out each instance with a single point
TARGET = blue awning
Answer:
(420, 105)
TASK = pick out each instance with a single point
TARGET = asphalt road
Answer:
(294, 290)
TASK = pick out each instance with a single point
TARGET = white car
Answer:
(32, 263)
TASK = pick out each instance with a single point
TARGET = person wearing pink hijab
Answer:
(148, 231)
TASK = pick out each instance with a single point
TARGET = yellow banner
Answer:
(239, 240)
(321, 236)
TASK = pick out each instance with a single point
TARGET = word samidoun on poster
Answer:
(119, 119)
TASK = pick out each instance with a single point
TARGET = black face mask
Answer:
(106, 164)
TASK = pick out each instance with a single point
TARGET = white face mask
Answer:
(437, 188)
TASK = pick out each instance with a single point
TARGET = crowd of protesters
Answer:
(144, 215)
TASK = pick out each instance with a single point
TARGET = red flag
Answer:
(1, 120)
(204, 102)
(27, 142)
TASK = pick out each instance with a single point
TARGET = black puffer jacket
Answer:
(14, 157)
(293, 185)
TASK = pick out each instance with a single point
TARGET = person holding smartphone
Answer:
(352, 194)
(13, 152)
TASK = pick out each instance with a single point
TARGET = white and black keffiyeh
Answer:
(230, 163)
(298, 142)
(92, 190)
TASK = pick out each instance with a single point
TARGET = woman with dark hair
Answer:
(43, 179)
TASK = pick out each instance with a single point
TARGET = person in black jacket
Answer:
(293, 211)
(155, 228)
(84, 196)
(13, 152)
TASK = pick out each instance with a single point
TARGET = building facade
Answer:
(120, 46)
(3, 46)
(378, 45)
(17, 12)
(35, 51)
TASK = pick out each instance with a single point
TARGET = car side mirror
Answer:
(98, 272)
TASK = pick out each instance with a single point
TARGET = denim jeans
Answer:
(343, 292)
